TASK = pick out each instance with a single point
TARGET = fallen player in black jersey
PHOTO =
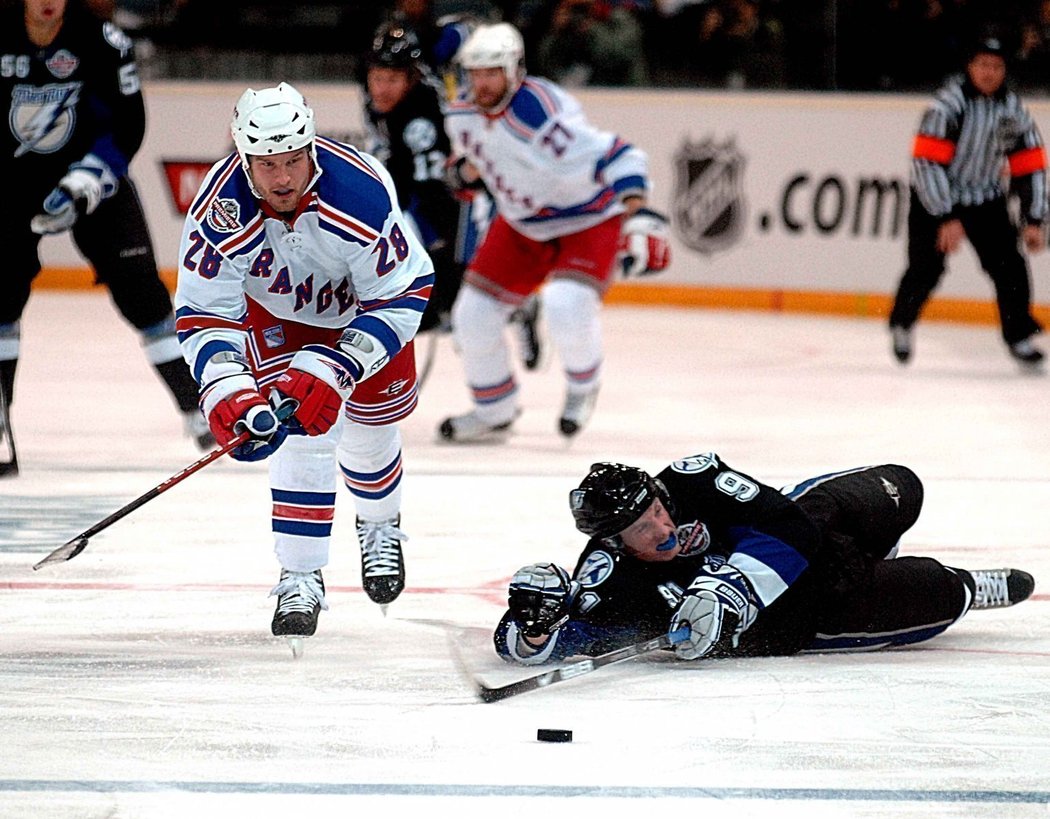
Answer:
(733, 567)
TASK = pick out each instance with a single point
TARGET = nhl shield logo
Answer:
(709, 207)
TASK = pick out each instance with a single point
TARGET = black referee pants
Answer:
(994, 238)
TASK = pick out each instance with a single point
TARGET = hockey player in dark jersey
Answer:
(75, 119)
(735, 567)
(975, 127)
(405, 116)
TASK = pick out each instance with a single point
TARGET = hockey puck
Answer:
(553, 735)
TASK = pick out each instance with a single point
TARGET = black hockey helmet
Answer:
(396, 45)
(988, 44)
(612, 497)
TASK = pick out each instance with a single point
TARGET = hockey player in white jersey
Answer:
(569, 197)
(300, 281)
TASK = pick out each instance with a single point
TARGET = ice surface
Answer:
(140, 679)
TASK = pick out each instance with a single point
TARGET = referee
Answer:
(975, 126)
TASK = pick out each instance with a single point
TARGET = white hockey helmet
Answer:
(496, 46)
(272, 121)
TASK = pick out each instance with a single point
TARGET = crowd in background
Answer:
(859, 45)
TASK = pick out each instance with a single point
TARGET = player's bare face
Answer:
(488, 86)
(987, 73)
(281, 179)
(387, 87)
(43, 15)
(653, 536)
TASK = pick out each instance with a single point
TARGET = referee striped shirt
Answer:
(965, 144)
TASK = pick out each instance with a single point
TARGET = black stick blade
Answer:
(67, 551)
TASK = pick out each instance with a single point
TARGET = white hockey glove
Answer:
(644, 244)
(81, 190)
(540, 598)
(718, 605)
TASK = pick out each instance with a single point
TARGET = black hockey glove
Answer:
(459, 178)
(541, 597)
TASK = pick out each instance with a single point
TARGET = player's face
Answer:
(281, 179)
(488, 86)
(44, 12)
(387, 87)
(987, 73)
(653, 536)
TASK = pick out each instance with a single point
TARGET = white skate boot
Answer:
(579, 406)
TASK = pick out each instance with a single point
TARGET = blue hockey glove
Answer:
(84, 186)
(718, 605)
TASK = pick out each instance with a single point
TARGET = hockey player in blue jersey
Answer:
(743, 569)
(300, 281)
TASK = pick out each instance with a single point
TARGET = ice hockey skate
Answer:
(1027, 354)
(8, 455)
(901, 343)
(300, 598)
(382, 563)
(471, 427)
(999, 588)
(196, 426)
(530, 341)
(579, 406)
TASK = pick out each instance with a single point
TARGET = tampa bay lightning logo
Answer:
(420, 135)
(42, 119)
(696, 463)
(595, 569)
(892, 490)
(117, 38)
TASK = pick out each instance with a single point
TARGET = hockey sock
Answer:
(176, 375)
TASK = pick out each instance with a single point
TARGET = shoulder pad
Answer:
(351, 187)
(533, 104)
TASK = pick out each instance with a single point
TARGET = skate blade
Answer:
(296, 645)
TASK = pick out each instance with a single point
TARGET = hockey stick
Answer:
(566, 672)
(74, 546)
(428, 362)
(10, 466)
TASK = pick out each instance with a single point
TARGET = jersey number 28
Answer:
(390, 251)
